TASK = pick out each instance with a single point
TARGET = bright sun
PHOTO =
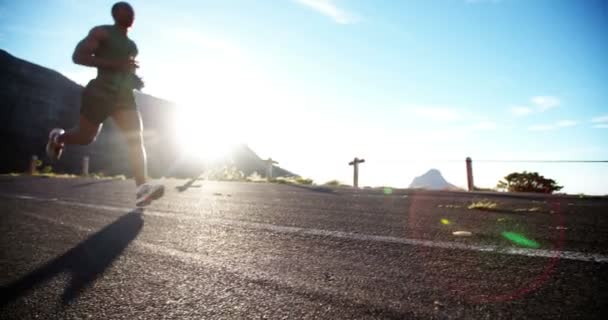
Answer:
(222, 101)
(205, 134)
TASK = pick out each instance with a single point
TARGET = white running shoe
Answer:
(54, 149)
(148, 192)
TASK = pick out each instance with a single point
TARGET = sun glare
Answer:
(222, 101)
(205, 135)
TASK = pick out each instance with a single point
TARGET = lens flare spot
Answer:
(520, 239)
(445, 222)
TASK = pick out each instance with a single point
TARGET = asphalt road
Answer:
(77, 249)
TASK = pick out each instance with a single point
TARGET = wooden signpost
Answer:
(355, 164)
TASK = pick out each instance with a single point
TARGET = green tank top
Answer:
(117, 46)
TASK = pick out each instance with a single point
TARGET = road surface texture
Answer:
(77, 249)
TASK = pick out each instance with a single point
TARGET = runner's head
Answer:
(123, 14)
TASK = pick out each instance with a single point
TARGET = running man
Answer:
(109, 49)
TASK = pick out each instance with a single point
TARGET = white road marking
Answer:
(540, 253)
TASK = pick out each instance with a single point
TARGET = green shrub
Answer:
(528, 182)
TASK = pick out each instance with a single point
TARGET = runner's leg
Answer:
(129, 123)
(84, 134)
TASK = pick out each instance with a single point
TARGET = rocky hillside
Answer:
(34, 99)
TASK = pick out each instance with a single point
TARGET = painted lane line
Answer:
(538, 253)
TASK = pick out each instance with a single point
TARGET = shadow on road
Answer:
(189, 184)
(86, 184)
(314, 188)
(85, 262)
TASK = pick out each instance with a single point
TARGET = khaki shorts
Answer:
(99, 101)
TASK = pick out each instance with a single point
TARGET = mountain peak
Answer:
(432, 180)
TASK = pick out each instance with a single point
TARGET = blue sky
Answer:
(405, 84)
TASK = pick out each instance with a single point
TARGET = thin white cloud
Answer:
(542, 127)
(329, 9)
(439, 114)
(539, 104)
(566, 123)
(600, 119)
(544, 103)
(553, 126)
(485, 125)
(521, 111)
(601, 126)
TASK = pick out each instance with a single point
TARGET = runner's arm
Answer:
(84, 54)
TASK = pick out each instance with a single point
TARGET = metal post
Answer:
(33, 165)
(470, 183)
(355, 164)
(85, 166)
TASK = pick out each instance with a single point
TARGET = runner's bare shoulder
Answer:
(98, 33)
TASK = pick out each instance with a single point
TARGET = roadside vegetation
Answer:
(46, 171)
(493, 206)
(483, 205)
(528, 182)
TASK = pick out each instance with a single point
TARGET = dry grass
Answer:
(292, 180)
(256, 177)
(450, 206)
(333, 183)
(487, 205)
(483, 205)
(533, 209)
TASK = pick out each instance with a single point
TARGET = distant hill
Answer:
(432, 180)
(34, 99)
